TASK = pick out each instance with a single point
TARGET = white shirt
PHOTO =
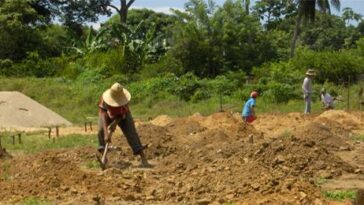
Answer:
(307, 86)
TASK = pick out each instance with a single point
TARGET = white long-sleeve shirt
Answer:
(307, 86)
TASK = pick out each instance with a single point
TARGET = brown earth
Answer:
(202, 160)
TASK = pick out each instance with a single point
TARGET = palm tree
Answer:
(348, 14)
(306, 10)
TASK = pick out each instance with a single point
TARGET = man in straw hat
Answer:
(113, 106)
(307, 89)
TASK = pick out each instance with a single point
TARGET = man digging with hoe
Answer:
(113, 111)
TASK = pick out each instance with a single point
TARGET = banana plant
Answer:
(94, 41)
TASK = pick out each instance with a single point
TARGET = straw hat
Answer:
(311, 72)
(116, 96)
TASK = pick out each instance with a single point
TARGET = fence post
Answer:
(49, 132)
(19, 138)
(57, 131)
(86, 126)
(348, 104)
(13, 139)
(91, 125)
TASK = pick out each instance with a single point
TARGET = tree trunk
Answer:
(296, 33)
(123, 12)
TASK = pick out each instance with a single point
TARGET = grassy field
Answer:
(39, 143)
(77, 100)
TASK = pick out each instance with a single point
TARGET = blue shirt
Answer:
(247, 107)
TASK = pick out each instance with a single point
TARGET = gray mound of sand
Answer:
(17, 111)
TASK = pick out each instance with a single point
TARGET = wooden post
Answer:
(19, 138)
(221, 101)
(85, 126)
(348, 105)
(91, 126)
(0, 143)
(57, 131)
(49, 132)
(13, 139)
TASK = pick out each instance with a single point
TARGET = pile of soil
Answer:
(161, 120)
(345, 119)
(20, 112)
(198, 160)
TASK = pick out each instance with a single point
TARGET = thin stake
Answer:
(49, 132)
(19, 138)
(13, 139)
(348, 105)
(57, 131)
(91, 126)
(85, 126)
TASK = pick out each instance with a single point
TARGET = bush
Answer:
(335, 66)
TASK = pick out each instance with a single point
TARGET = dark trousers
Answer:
(128, 127)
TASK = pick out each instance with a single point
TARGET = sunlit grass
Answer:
(38, 143)
(340, 195)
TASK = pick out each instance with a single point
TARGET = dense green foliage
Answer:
(203, 54)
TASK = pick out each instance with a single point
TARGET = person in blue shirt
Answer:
(248, 113)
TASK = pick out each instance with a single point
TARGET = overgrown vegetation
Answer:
(188, 61)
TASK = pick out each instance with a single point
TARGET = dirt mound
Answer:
(198, 160)
(345, 119)
(161, 120)
(20, 112)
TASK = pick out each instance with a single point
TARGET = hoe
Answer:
(103, 160)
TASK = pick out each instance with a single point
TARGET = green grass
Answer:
(34, 201)
(92, 164)
(38, 143)
(340, 195)
(359, 138)
(5, 174)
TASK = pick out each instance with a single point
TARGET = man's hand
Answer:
(108, 138)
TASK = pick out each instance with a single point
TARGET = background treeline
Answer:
(201, 53)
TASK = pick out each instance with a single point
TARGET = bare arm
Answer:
(105, 123)
(253, 110)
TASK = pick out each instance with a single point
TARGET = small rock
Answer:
(303, 195)
(149, 198)
(357, 171)
(255, 186)
(219, 151)
(278, 160)
(344, 148)
(203, 201)
(317, 202)
(229, 197)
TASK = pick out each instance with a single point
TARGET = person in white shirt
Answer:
(327, 100)
(307, 89)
